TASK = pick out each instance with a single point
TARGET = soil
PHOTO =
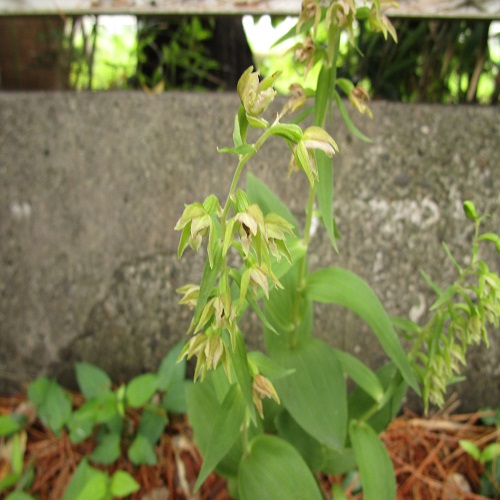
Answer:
(428, 461)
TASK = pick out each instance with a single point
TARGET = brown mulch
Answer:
(428, 460)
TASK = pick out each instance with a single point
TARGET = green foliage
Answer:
(257, 258)
(103, 416)
(489, 457)
(88, 482)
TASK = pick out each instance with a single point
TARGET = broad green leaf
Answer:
(315, 394)
(153, 421)
(123, 484)
(8, 425)
(325, 194)
(258, 192)
(225, 430)
(289, 313)
(86, 483)
(323, 94)
(91, 380)
(339, 286)
(375, 466)
(240, 365)
(203, 407)
(361, 374)
(140, 389)
(108, 450)
(347, 119)
(339, 461)
(141, 451)
(274, 469)
(312, 450)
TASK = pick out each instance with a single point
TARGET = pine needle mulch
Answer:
(428, 461)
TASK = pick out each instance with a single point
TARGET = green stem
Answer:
(389, 392)
(237, 174)
(327, 79)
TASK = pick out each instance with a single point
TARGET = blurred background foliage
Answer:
(437, 61)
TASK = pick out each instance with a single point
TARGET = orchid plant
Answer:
(270, 421)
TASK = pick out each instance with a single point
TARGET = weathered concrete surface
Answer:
(91, 186)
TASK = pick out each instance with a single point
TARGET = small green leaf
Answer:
(470, 448)
(347, 119)
(302, 159)
(140, 389)
(141, 451)
(225, 430)
(91, 380)
(490, 453)
(153, 421)
(108, 450)
(470, 210)
(123, 484)
(87, 483)
(242, 149)
(274, 469)
(375, 466)
(267, 366)
(53, 404)
(8, 425)
(346, 85)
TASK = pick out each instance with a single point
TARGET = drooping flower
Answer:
(358, 97)
(256, 95)
(263, 388)
(314, 138)
(196, 221)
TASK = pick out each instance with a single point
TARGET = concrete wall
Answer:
(91, 186)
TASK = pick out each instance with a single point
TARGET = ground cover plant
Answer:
(273, 423)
